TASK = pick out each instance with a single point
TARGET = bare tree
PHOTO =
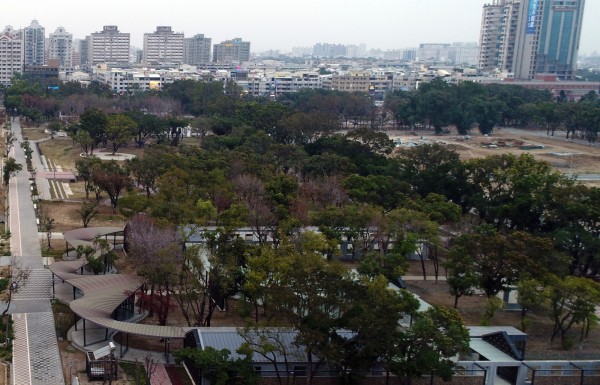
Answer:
(157, 251)
(18, 279)
(47, 224)
(251, 190)
(325, 191)
(151, 366)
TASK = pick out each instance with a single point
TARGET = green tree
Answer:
(11, 168)
(434, 168)
(175, 198)
(499, 259)
(429, 345)
(373, 319)
(55, 126)
(111, 178)
(93, 122)
(531, 293)
(307, 293)
(148, 168)
(133, 204)
(572, 224)
(573, 301)
(85, 141)
(488, 113)
(84, 169)
(462, 276)
(513, 192)
(218, 367)
(119, 130)
(463, 114)
(87, 212)
(435, 103)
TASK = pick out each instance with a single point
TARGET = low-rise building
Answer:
(352, 82)
(124, 81)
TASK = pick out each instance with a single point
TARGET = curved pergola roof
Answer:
(86, 236)
(102, 294)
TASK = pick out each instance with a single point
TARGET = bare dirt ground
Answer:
(562, 154)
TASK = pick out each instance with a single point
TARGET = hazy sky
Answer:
(279, 24)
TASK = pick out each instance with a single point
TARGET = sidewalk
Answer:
(160, 376)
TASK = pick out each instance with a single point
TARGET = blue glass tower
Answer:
(548, 40)
(559, 38)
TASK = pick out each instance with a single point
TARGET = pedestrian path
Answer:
(38, 286)
(160, 376)
(36, 358)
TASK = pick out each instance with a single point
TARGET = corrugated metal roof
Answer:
(281, 339)
(232, 341)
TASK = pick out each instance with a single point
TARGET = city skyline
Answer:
(268, 24)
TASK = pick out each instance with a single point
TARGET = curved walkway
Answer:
(103, 294)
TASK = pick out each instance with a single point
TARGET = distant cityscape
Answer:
(524, 42)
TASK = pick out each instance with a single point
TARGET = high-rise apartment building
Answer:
(433, 52)
(329, 50)
(163, 47)
(196, 50)
(11, 54)
(60, 47)
(34, 39)
(84, 51)
(531, 37)
(231, 51)
(498, 33)
(463, 53)
(109, 46)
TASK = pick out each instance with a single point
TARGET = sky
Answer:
(279, 24)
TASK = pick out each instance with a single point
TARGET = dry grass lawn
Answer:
(539, 329)
(63, 152)
(66, 217)
(35, 133)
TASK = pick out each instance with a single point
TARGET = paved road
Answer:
(36, 359)
(586, 177)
